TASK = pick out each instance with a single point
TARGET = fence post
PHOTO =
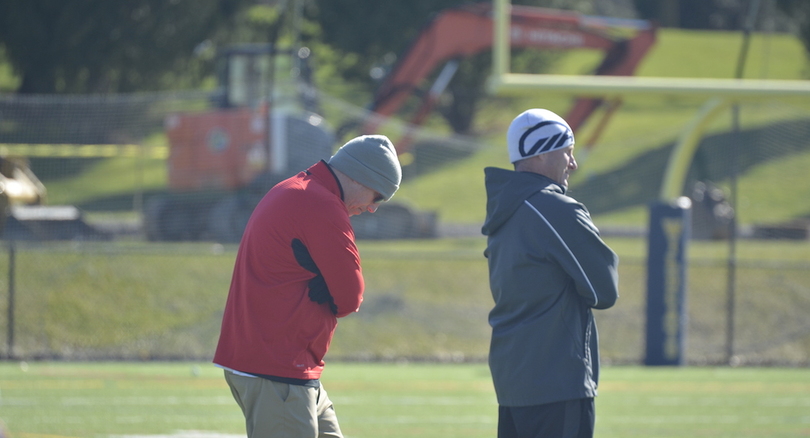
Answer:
(11, 290)
(669, 233)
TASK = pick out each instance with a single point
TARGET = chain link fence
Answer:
(96, 301)
(104, 288)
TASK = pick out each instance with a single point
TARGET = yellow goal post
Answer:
(720, 94)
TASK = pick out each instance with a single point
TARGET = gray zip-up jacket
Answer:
(548, 267)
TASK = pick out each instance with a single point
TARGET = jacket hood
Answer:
(506, 191)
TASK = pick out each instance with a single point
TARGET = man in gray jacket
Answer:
(548, 267)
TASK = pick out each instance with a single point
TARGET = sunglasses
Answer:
(378, 198)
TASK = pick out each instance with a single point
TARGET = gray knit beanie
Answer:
(372, 161)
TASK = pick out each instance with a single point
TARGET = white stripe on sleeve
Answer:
(584, 275)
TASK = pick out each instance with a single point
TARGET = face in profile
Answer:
(362, 200)
(559, 164)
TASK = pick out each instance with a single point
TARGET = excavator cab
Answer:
(245, 75)
(249, 75)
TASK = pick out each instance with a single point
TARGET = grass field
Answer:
(83, 400)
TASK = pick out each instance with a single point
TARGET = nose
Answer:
(573, 164)
(373, 207)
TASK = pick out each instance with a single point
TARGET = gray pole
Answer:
(748, 25)
(11, 286)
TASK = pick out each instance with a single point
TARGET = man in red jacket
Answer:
(298, 270)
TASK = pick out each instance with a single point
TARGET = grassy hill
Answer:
(633, 147)
(641, 131)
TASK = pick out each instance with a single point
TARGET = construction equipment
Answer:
(264, 128)
(18, 186)
(221, 162)
(23, 215)
(468, 30)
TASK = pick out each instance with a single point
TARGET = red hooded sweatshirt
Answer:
(270, 326)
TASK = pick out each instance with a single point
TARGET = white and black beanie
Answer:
(537, 131)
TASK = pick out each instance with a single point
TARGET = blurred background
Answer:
(136, 137)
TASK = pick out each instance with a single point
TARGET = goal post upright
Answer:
(501, 58)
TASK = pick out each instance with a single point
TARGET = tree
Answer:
(694, 14)
(799, 11)
(86, 46)
(373, 29)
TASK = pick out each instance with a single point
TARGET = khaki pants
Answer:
(280, 410)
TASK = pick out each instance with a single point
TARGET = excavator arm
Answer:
(457, 33)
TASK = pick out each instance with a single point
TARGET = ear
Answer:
(526, 164)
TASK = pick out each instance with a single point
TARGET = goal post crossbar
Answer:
(719, 94)
(617, 86)
(504, 82)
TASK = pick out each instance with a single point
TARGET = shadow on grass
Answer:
(638, 182)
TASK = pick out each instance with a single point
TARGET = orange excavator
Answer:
(457, 33)
(222, 161)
